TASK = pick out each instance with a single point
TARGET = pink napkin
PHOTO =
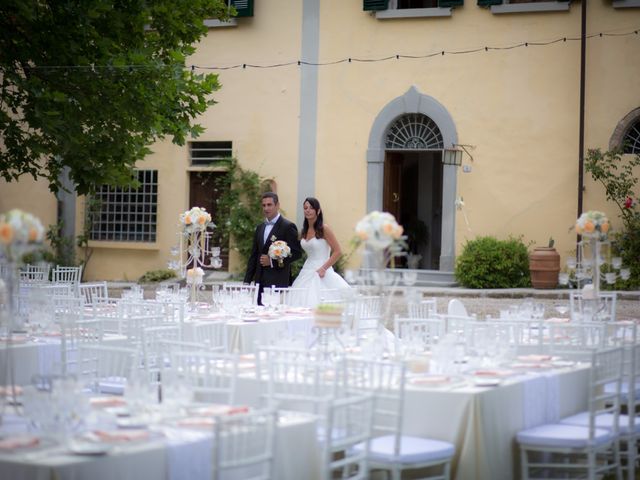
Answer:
(121, 435)
(13, 443)
(8, 390)
(107, 402)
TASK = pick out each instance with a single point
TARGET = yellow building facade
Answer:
(357, 107)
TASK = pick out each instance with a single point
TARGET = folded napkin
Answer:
(197, 422)
(7, 391)
(220, 409)
(557, 320)
(14, 443)
(121, 435)
(107, 402)
(14, 339)
(534, 358)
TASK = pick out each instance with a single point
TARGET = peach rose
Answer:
(589, 227)
(6, 233)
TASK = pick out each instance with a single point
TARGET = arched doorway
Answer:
(405, 174)
(413, 185)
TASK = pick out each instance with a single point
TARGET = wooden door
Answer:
(392, 191)
(204, 192)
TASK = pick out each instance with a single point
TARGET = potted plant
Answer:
(544, 265)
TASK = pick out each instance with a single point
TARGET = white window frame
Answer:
(393, 11)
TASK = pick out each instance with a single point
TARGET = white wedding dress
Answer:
(317, 289)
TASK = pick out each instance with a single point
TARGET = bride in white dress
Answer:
(317, 277)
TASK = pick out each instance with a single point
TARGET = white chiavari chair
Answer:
(586, 448)
(426, 308)
(603, 307)
(94, 293)
(212, 335)
(38, 274)
(105, 368)
(290, 296)
(298, 380)
(244, 445)
(576, 340)
(390, 449)
(366, 312)
(240, 294)
(348, 424)
(417, 334)
(211, 375)
(61, 274)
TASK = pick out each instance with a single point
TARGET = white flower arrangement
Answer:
(194, 276)
(279, 250)
(20, 233)
(379, 230)
(593, 224)
(196, 219)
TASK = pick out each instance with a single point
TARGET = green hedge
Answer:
(487, 262)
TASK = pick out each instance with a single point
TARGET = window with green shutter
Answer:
(243, 7)
(374, 5)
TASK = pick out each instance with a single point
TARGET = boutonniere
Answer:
(273, 238)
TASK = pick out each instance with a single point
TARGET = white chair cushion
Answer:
(563, 436)
(413, 450)
(603, 421)
(624, 390)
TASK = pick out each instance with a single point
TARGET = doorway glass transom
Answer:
(414, 131)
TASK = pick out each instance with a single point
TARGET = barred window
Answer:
(207, 153)
(631, 142)
(126, 214)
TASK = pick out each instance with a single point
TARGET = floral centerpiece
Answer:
(279, 250)
(20, 233)
(194, 276)
(379, 230)
(593, 224)
(196, 219)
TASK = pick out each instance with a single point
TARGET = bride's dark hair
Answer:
(317, 225)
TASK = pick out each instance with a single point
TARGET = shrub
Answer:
(157, 276)
(487, 262)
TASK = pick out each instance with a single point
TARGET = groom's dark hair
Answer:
(271, 195)
(318, 224)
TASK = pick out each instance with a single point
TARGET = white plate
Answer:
(86, 448)
(131, 422)
(487, 382)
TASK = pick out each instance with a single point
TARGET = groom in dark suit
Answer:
(260, 268)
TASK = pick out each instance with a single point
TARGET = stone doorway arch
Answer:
(415, 102)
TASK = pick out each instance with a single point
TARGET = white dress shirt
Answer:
(268, 227)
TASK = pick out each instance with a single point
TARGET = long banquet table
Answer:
(173, 454)
(482, 422)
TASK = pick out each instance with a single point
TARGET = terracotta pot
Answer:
(544, 265)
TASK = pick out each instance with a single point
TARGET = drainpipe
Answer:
(583, 49)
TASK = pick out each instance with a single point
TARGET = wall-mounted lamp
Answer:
(453, 156)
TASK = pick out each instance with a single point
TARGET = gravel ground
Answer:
(480, 302)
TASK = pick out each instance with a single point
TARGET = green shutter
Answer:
(369, 5)
(243, 7)
(488, 3)
(450, 3)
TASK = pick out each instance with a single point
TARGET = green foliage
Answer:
(487, 262)
(63, 252)
(90, 85)
(238, 209)
(157, 276)
(615, 172)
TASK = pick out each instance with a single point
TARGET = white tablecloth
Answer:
(482, 422)
(179, 454)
